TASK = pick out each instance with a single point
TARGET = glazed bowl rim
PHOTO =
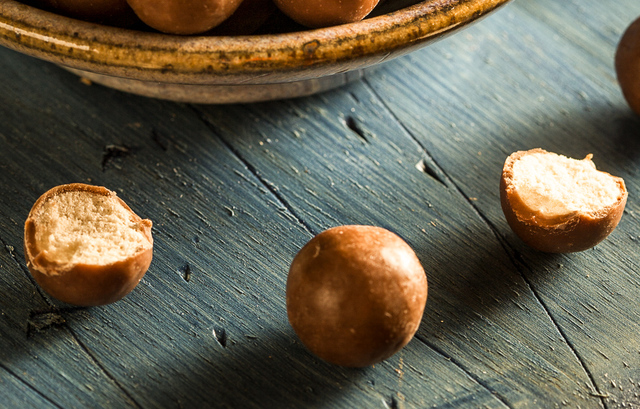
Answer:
(153, 56)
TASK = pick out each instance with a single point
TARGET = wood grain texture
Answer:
(470, 299)
(558, 59)
(177, 342)
(35, 342)
(235, 191)
(17, 394)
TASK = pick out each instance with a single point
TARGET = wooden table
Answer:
(234, 192)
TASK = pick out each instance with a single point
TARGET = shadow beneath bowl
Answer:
(221, 93)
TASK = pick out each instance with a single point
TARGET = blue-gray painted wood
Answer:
(559, 92)
(235, 191)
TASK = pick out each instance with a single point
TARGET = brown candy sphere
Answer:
(627, 62)
(325, 13)
(356, 295)
(184, 16)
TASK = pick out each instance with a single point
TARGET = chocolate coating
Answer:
(184, 16)
(580, 232)
(325, 13)
(627, 62)
(356, 295)
(85, 284)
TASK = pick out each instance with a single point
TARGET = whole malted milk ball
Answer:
(356, 295)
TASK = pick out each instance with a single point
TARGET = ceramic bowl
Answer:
(231, 69)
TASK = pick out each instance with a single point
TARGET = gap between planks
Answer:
(278, 196)
(102, 368)
(31, 387)
(10, 250)
(286, 205)
(510, 251)
(460, 366)
(446, 180)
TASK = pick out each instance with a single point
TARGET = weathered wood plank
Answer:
(544, 79)
(17, 394)
(41, 362)
(235, 191)
(236, 237)
(481, 313)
